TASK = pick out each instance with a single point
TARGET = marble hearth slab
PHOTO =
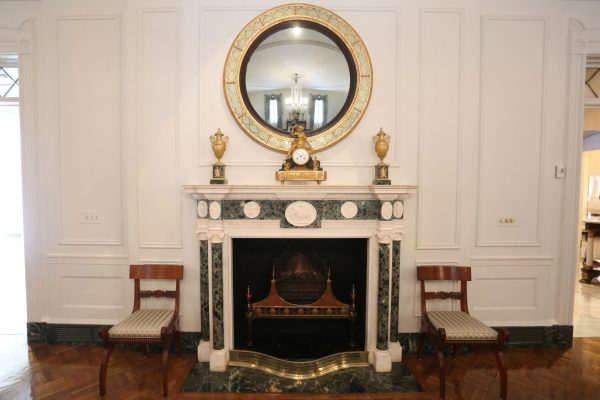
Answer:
(352, 380)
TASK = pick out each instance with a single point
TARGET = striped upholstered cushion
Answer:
(461, 326)
(142, 324)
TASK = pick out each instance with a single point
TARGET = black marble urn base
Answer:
(351, 380)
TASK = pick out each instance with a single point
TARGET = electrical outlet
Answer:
(507, 222)
(89, 217)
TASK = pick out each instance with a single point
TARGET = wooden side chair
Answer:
(456, 328)
(146, 326)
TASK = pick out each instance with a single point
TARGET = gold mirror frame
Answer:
(266, 136)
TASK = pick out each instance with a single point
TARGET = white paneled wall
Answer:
(158, 97)
(512, 129)
(89, 128)
(440, 114)
(126, 93)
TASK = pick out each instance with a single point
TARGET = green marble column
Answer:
(383, 296)
(204, 306)
(395, 297)
(217, 296)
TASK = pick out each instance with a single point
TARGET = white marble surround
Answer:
(386, 227)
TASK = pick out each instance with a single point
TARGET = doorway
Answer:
(586, 309)
(14, 319)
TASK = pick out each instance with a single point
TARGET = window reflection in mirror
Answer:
(297, 75)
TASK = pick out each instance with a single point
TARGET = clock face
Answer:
(300, 156)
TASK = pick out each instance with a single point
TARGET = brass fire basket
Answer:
(326, 307)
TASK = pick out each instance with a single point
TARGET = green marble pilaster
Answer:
(217, 296)
(383, 296)
(204, 306)
(395, 296)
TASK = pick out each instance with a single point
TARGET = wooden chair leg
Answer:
(165, 367)
(440, 355)
(502, 372)
(104, 366)
(420, 344)
(178, 342)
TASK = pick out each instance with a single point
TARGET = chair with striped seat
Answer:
(146, 326)
(456, 328)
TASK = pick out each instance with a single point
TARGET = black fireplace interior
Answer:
(295, 339)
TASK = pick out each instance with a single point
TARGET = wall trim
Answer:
(541, 145)
(142, 243)
(73, 241)
(421, 245)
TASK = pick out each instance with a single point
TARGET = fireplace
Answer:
(312, 260)
(229, 217)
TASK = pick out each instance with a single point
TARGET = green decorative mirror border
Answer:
(299, 12)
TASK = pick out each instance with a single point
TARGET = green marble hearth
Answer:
(351, 380)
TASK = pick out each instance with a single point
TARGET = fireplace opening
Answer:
(300, 269)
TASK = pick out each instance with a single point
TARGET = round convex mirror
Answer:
(297, 64)
(299, 73)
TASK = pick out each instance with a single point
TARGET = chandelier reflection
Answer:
(297, 103)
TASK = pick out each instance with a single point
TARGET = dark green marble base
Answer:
(351, 380)
(41, 332)
(520, 337)
(37, 332)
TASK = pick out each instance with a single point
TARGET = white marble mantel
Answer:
(300, 192)
(373, 212)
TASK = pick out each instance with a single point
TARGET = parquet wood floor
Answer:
(61, 372)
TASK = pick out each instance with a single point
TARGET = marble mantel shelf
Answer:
(300, 192)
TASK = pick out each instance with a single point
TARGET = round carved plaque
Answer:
(300, 213)
(215, 210)
(398, 209)
(349, 209)
(251, 209)
(202, 209)
(387, 210)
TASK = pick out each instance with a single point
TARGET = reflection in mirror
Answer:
(299, 76)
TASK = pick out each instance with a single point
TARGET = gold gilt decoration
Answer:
(218, 143)
(300, 164)
(299, 370)
(382, 144)
(244, 42)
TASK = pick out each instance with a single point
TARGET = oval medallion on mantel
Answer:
(300, 213)
(251, 209)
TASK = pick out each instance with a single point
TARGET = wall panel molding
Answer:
(441, 57)
(158, 112)
(89, 129)
(512, 107)
(88, 288)
(93, 259)
(160, 261)
(526, 278)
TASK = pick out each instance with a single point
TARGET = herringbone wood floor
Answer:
(71, 372)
